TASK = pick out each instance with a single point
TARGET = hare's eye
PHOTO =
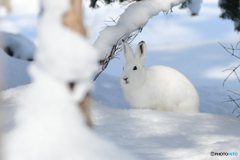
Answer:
(135, 68)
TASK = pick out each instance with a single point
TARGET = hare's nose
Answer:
(125, 79)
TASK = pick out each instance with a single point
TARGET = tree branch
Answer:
(233, 70)
(115, 51)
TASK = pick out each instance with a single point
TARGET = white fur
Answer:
(157, 87)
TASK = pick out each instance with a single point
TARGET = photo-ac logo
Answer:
(224, 153)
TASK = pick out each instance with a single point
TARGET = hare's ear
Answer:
(141, 52)
(127, 51)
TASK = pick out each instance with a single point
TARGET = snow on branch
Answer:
(194, 6)
(115, 51)
(134, 18)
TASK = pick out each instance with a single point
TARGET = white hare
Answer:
(157, 87)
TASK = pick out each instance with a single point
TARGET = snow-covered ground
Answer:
(154, 135)
(15, 71)
(188, 44)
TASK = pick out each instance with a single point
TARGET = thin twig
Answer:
(233, 92)
(237, 106)
(231, 100)
(237, 44)
(227, 49)
(113, 20)
(233, 70)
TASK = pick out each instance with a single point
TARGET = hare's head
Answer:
(133, 71)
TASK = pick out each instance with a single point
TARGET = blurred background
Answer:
(177, 39)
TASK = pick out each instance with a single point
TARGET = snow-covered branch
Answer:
(194, 6)
(134, 18)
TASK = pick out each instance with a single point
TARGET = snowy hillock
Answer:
(154, 135)
(15, 71)
(18, 46)
(56, 132)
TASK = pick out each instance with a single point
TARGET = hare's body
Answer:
(157, 87)
(173, 92)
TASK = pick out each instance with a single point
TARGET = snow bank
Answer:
(14, 71)
(47, 125)
(148, 134)
(134, 17)
(155, 135)
(17, 46)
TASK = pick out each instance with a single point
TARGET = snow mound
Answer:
(18, 46)
(46, 130)
(155, 135)
(148, 134)
(14, 71)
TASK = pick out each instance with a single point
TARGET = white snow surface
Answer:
(21, 47)
(14, 71)
(154, 135)
(48, 125)
(147, 134)
(133, 18)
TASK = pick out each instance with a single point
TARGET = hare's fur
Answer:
(156, 87)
